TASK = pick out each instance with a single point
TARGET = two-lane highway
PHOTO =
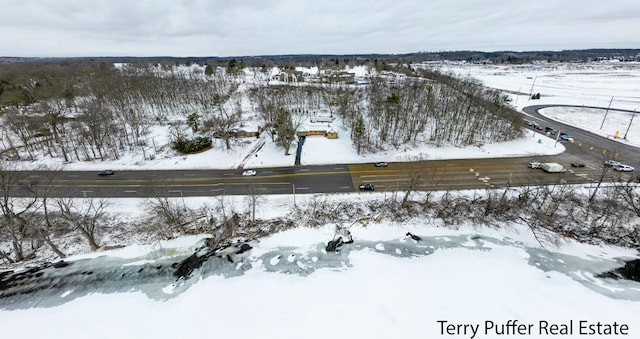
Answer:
(277, 180)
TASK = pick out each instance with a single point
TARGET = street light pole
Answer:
(531, 91)
(606, 112)
(628, 127)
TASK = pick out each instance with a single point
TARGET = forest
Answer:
(81, 111)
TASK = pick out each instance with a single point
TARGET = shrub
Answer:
(194, 145)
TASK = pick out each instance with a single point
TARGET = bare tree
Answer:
(173, 215)
(16, 210)
(45, 227)
(85, 215)
(416, 175)
(603, 172)
(630, 194)
(253, 198)
(222, 123)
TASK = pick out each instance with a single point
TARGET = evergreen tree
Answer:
(285, 131)
(208, 71)
(193, 121)
(358, 133)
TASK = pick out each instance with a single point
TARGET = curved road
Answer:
(434, 174)
(587, 144)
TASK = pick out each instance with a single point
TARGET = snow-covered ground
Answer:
(613, 85)
(469, 275)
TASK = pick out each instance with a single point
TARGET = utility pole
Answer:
(606, 112)
(630, 122)
(531, 91)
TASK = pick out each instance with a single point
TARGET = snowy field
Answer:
(390, 286)
(603, 84)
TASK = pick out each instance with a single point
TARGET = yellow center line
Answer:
(182, 185)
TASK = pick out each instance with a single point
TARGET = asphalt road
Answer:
(587, 145)
(441, 175)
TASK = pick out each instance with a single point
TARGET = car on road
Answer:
(578, 164)
(535, 164)
(565, 136)
(249, 173)
(623, 168)
(106, 172)
(381, 164)
(531, 123)
(367, 187)
(611, 163)
(550, 130)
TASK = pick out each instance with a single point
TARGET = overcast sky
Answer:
(266, 27)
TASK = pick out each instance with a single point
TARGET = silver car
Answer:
(623, 168)
(249, 173)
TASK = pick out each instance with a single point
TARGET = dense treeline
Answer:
(308, 60)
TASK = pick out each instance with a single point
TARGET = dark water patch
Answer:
(630, 271)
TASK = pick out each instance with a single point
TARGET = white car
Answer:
(535, 164)
(612, 163)
(566, 137)
(623, 168)
(249, 173)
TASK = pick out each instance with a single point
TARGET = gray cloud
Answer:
(256, 27)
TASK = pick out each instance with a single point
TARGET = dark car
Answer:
(106, 172)
(550, 130)
(381, 164)
(578, 164)
(367, 187)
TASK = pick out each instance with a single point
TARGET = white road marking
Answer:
(302, 188)
(129, 191)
